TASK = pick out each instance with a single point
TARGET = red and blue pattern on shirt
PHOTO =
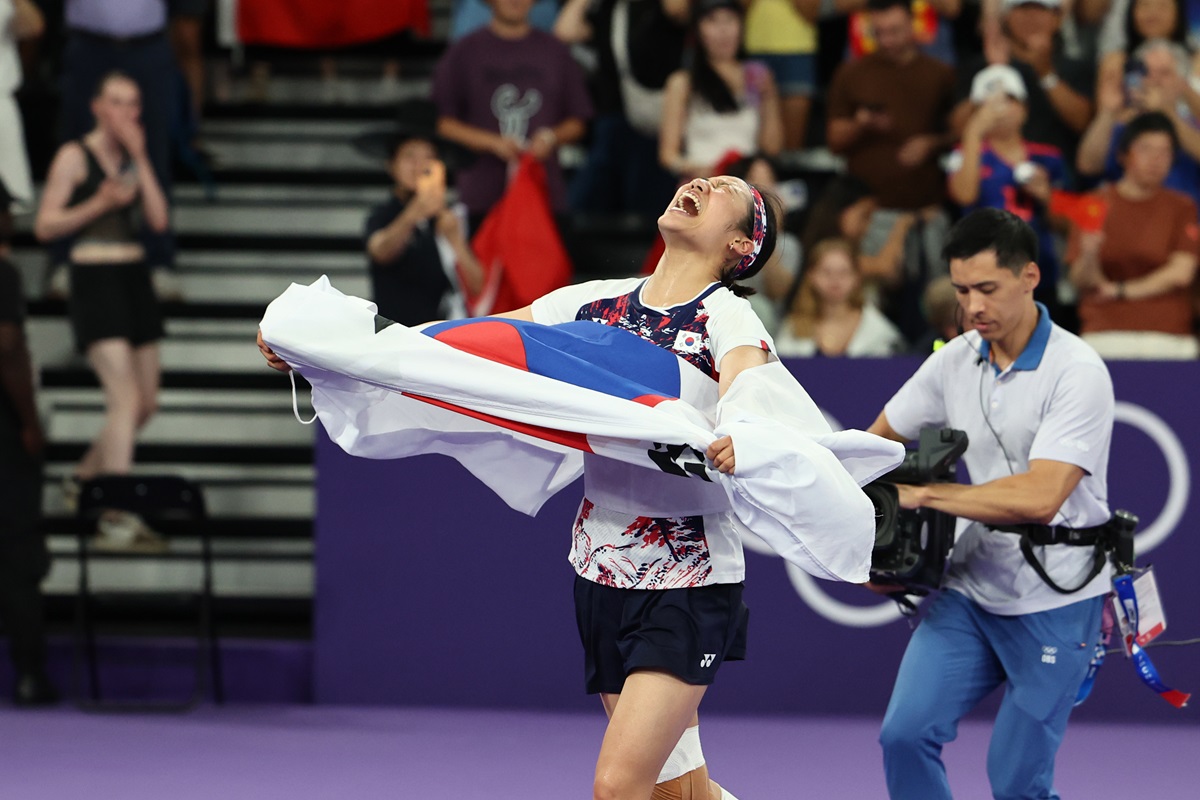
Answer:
(650, 553)
(640, 552)
(683, 330)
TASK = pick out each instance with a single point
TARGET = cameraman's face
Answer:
(994, 300)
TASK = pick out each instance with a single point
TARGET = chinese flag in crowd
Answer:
(321, 23)
(1085, 211)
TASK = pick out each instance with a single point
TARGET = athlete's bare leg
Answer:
(645, 722)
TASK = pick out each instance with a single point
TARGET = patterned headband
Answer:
(760, 232)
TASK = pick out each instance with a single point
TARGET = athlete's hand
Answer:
(273, 361)
(720, 453)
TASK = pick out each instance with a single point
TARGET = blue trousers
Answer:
(957, 656)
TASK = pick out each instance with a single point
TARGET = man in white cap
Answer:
(996, 167)
(1058, 89)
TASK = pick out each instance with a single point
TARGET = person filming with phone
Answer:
(1022, 597)
(416, 242)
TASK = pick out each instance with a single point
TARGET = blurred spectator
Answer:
(24, 560)
(887, 114)
(932, 26)
(417, 245)
(723, 104)
(638, 43)
(783, 35)
(503, 90)
(1135, 276)
(830, 316)
(1130, 23)
(19, 20)
(468, 16)
(845, 210)
(96, 190)
(1162, 88)
(187, 39)
(129, 37)
(1058, 89)
(943, 315)
(781, 273)
(995, 167)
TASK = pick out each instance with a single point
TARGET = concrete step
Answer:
(184, 416)
(250, 569)
(191, 345)
(271, 220)
(213, 276)
(299, 194)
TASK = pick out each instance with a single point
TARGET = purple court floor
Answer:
(295, 753)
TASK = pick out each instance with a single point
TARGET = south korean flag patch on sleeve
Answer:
(689, 342)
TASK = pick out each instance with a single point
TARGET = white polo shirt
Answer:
(1055, 402)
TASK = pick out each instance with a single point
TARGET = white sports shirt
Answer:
(637, 529)
(1055, 402)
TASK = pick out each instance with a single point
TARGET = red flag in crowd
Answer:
(518, 244)
(320, 23)
(1085, 211)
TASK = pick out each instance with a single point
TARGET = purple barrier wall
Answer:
(432, 591)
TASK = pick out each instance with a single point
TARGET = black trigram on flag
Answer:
(679, 459)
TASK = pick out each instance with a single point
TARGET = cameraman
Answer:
(1037, 405)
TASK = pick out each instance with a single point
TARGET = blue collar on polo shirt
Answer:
(1031, 356)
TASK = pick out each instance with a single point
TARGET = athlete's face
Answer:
(709, 212)
(993, 299)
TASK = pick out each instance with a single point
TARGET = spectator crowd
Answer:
(1079, 116)
(878, 123)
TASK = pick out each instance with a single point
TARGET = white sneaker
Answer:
(126, 531)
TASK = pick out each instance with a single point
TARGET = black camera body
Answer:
(912, 545)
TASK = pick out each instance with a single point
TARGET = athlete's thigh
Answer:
(645, 722)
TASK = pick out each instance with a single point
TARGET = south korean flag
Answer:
(689, 342)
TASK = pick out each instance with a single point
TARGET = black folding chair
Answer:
(173, 506)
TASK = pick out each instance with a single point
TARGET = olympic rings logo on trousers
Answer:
(1152, 535)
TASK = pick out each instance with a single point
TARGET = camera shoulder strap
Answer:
(1098, 557)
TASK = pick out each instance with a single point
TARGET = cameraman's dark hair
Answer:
(884, 5)
(770, 237)
(1007, 235)
(705, 82)
(1148, 122)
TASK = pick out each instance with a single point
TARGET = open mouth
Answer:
(688, 203)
